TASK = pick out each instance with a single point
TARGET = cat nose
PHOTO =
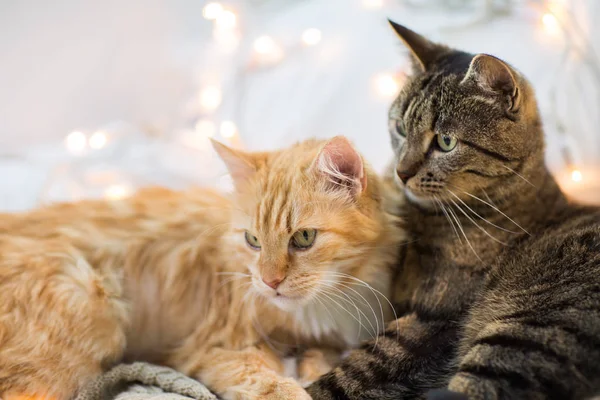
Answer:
(405, 176)
(273, 282)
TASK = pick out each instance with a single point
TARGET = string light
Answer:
(267, 50)
(386, 85)
(117, 191)
(553, 20)
(227, 39)
(212, 11)
(265, 45)
(550, 23)
(76, 142)
(228, 129)
(226, 20)
(372, 4)
(98, 140)
(311, 37)
(205, 128)
(210, 98)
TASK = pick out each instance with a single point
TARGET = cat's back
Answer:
(566, 248)
(546, 289)
(148, 213)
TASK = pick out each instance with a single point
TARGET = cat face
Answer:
(460, 123)
(306, 219)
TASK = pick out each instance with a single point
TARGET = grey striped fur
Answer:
(499, 295)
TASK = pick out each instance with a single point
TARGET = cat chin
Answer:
(285, 303)
(423, 202)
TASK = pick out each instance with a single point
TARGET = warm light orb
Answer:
(373, 4)
(387, 85)
(210, 97)
(76, 142)
(226, 39)
(228, 129)
(311, 37)
(98, 140)
(265, 45)
(117, 192)
(550, 22)
(226, 20)
(212, 11)
(576, 176)
(267, 50)
(205, 128)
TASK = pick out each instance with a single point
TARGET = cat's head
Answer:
(461, 124)
(306, 215)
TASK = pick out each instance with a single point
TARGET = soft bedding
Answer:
(142, 381)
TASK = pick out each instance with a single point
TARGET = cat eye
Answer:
(303, 239)
(252, 241)
(446, 142)
(396, 126)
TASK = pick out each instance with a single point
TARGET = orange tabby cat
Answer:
(212, 286)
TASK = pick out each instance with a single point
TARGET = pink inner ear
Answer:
(339, 157)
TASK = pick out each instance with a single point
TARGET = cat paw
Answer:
(315, 363)
(287, 389)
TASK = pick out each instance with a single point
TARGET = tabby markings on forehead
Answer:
(484, 99)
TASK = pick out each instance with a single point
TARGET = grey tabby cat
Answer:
(499, 295)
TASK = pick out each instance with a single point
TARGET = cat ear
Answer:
(424, 52)
(494, 75)
(239, 164)
(342, 166)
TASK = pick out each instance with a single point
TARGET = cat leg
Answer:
(250, 373)
(314, 363)
(59, 324)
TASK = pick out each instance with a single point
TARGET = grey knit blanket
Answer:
(141, 381)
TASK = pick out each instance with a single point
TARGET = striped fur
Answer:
(168, 277)
(499, 295)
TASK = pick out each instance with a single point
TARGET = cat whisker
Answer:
(482, 218)
(232, 279)
(326, 294)
(232, 273)
(322, 303)
(247, 294)
(476, 224)
(519, 175)
(373, 330)
(487, 196)
(463, 232)
(318, 298)
(367, 304)
(331, 284)
(375, 291)
(496, 208)
(448, 218)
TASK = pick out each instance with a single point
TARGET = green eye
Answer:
(447, 142)
(397, 127)
(252, 241)
(303, 239)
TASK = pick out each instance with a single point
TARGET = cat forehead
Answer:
(279, 202)
(442, 105)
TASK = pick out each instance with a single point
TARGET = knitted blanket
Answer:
(141, 381)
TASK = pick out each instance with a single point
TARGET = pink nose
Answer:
(272, 282)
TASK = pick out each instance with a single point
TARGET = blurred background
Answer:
(99, 98)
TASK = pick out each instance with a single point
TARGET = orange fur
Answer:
(167, 277)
